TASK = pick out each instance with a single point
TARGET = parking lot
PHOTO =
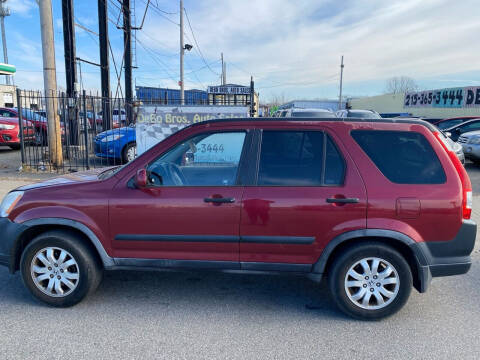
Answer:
(203, 315)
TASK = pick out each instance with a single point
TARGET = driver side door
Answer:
(190, 212)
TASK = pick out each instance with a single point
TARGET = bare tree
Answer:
(277, 99)
(400, 84)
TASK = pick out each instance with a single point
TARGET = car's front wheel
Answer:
(370, 281)
(59, 268)
(129, 152)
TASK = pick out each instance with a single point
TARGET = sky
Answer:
(292, 48)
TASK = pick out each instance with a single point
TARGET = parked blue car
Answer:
(117, 144)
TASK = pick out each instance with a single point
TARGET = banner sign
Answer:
(229, 90)
(155, 123)
(464, 97)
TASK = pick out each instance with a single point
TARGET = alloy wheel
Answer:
(55, 272)
(131, 153)
(372, 283)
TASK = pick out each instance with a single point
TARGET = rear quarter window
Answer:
(404, 157)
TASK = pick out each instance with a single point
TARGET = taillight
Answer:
(467, 196)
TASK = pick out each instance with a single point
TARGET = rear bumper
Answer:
(446, 258)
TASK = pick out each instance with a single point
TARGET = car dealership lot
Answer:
(218, 315)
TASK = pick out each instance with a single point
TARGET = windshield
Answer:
(110, 172)
(314, 114)
(363, 115)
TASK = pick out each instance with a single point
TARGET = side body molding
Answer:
(320, 265)
(106, 260)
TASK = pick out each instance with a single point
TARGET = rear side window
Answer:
(297, 158)
(404, 157)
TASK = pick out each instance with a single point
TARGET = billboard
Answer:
(155, 123)
(460, 97)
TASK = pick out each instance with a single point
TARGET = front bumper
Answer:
(446, 258)
(9, 244)
(106, 149)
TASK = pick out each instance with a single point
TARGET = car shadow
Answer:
(194, 291)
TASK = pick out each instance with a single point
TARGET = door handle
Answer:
(219, 200)
(342, 200)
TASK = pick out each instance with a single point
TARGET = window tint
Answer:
(6, 113)
(205, 160)
(475, 125)
(334, 165)
(291, 158)
(448, 124)
(403, 157)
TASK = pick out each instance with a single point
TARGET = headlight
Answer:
(6, 127)
(475, 140)
(9, 202)
(111, 138)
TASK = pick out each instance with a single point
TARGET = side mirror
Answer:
(141, 178)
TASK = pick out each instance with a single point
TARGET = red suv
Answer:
(378, 206)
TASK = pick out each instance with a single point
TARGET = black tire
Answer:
(14, 146)
(125, 152)
(89, 268)
(338, 271)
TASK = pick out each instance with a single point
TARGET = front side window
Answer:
(295, 158)
(210, 159)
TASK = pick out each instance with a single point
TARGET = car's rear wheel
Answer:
(370, 281)
(14, 146)
(129, 152)
(59, 268)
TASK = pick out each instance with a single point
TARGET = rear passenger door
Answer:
(306, 191)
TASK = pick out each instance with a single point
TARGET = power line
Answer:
(162, 13)
(196, 44)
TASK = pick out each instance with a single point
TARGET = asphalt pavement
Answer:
(204, 315)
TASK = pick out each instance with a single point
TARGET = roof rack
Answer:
(309, 119)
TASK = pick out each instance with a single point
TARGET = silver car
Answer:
(470, 142)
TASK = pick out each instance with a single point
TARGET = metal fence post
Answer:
(85, 130)
(20, 123)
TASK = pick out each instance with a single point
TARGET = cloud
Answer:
(299, 44)
(292, 47)
(21, 7)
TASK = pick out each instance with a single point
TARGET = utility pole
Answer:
(341, 84)
(222, 77)
(69, 47)
(224, 72)
(127, 41)
(252, 97)
(4, 11)
(182, 53)
(50, 82)
(104, 64)
(70, 69)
